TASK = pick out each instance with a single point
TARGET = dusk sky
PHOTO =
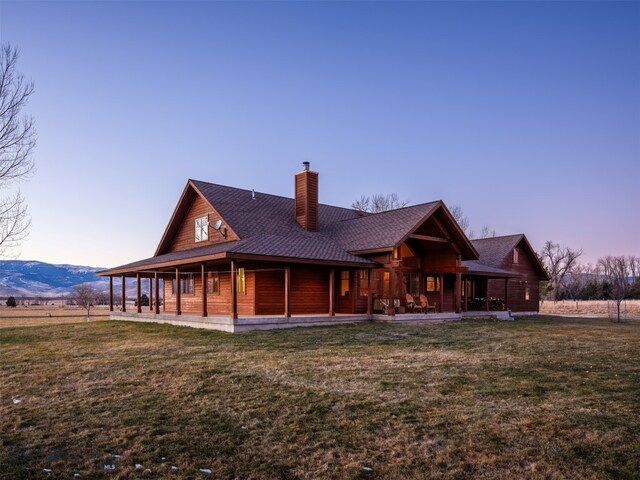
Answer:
(525, 114)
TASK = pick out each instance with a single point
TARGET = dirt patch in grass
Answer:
(533, 398)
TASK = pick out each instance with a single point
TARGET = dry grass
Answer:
(629, 309)
(46, 315)
(536, 398)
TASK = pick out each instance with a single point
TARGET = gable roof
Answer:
(265, 225)
(494, 250)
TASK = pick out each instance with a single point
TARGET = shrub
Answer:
(11, 302)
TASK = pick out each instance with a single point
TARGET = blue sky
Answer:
(525, 114)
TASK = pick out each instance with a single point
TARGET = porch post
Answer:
(124, 294)
(486, 294)
(234, 291)
(287, 287)
(177, 292)
(332, 282)
(151, 294)
(457, 291)
(466, 293)
(506, 294)
(392, 290)
(441, 292)
(157, 282)
(370, 291)
(138, 292)
(203, 277)
(110, 293)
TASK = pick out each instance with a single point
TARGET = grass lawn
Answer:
(534, 398)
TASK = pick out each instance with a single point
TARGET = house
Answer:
(234, 260)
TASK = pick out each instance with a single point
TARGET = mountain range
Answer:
(40, 279)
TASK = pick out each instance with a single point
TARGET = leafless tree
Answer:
(462, 219)
(378, 203)
(85, 296)
(559, 262)
(620, 274)
(17, 141)
(486, 232)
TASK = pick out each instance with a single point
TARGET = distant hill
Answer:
(33, 278)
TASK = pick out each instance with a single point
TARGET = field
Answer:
(629, 309)
(22, 316)
(544, 398)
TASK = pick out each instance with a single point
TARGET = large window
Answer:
(363, 283)
(202, 229)
(412, 284)
(186, 285)
(241, 281)
(344, 283)
(213, 283)
(433, 284)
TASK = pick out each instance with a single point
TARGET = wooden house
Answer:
(236, 259)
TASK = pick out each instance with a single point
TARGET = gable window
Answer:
(344, 283)
(433, 284)
(241, 281)
(527, 293)
(202, 229)
(213, 283)
(515, 255)
(363, 279)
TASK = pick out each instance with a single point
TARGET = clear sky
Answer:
(525, 114)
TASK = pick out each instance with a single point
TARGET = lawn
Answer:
(535, 398)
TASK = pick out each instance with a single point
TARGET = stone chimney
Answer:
(306, 186)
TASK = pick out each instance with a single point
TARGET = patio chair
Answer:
(384, 303)
(424, 303)
(411, 304)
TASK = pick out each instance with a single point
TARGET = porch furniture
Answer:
(411, 304)
(424, 303)
(384, 303)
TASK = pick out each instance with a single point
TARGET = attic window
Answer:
(202, 229)
(515, 255)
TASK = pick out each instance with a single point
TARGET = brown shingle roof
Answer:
(494, 250)
(267, 226)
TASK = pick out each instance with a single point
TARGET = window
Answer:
(344, 283)
(241, 281)
(186, 285)
(527, 293)
(363, 280)
(515, 255)
(385, 284)
(412, 284)
(433, 284)
(213, 283)
(202, 229)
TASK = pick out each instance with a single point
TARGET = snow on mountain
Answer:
(33, 278)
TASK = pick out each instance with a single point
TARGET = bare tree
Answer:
(620, 273)
(85, 296)
(378, 203)
(462, 219)
(17, 141)
(486, 232)
(559, 262)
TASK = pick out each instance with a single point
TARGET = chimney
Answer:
(306, 186)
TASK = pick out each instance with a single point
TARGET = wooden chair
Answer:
(424, 303)
(384, 304)
(411, 303)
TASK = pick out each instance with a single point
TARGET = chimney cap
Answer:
(305, 165)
